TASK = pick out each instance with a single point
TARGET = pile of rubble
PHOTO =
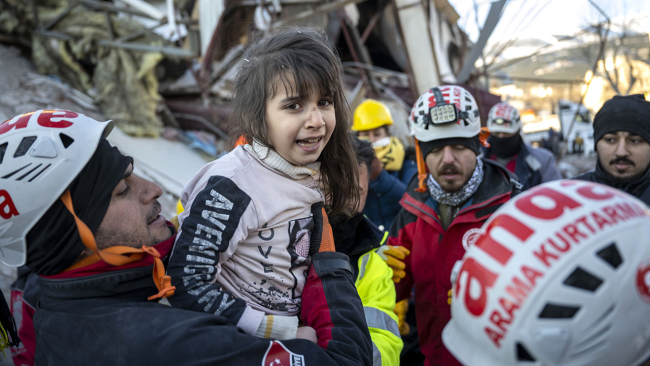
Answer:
(167, 66)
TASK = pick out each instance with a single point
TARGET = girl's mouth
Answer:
(309, 144)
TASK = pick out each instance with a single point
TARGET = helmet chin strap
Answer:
(422, 168)
(118, 255)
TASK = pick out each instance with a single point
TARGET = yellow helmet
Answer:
(371, 114)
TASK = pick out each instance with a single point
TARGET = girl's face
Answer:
(299, 129)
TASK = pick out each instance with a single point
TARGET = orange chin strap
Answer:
(119, 255)
(483, 136)
(422, 168)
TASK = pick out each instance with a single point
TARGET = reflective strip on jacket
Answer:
(377, 292)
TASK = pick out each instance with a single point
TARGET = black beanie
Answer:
(630, 113)
(54, 244)
(471, 143)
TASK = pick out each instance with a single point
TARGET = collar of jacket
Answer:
(133, 281)
(497, 183)
(635, 188)
(356, 235)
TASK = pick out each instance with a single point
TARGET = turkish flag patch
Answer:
(279, 355)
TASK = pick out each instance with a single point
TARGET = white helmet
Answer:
(560, 275)
(445, 112)
(41, 153)
(504, 118)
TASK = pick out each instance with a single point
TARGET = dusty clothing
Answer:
(99, 315)
(640, 188)
(434, 251)
(247, 227)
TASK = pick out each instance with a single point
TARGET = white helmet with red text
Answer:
(41, 153)
(444, 112)
(504, 118)
(560, 275)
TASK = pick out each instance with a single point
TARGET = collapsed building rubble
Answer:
(145, 79)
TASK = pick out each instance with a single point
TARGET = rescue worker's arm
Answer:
(400, 234)
(377, 293)
(153, 334)
(218, 217)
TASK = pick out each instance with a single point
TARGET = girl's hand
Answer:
(307, 333)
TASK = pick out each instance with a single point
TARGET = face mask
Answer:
(505, 147)
(381, 142)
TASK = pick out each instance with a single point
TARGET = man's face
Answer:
(451, 166)
(374, 134)
(364, 180)
(133, 217)
(623, 155)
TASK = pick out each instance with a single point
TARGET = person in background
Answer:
(545, 295)
(532, 166)
(360, 239)
(622, 138)
(442, 211)
(391, 171)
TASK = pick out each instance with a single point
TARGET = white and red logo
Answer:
(279, 355)
(643, 281)
(470, 237)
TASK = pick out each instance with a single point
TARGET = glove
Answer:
(401, 308)
(394, 256)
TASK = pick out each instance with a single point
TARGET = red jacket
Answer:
(434, 251)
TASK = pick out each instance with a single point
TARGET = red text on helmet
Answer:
(48, 118)
(7, 206)
(537, 205)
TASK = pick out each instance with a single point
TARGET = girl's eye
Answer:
(293, 106)
(324, 103)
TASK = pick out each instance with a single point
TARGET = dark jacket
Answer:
(640, 188)
(99, 315)
(434, 251)
(534, 166)
(384, 193)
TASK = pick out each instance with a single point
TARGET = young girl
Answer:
(254, 217)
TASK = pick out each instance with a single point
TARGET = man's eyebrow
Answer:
(127, 174)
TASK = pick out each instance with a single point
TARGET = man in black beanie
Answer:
(622, 142)
(92, 237)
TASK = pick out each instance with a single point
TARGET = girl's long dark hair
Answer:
(299, 58)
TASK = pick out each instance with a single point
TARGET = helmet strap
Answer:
(483, 136)
(422, 168)
(118, 255)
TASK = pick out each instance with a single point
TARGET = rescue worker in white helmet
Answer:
(455, 193)
(532, 166)
(72, 210)
(559, 276)
(393, 168)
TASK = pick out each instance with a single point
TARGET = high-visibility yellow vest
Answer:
(377, 292)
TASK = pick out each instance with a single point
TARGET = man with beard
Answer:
(622, 136)
(532, 166)
(72, 210)
(444, 208)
